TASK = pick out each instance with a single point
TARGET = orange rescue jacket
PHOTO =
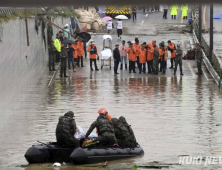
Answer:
(81, 48)
(76, 48)
(172, 47)
(150, 52)
(94, 54)
(137, 47)
(142, 56)
(131, 54)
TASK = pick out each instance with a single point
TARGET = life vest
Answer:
(134, 9)
(104, 125)
(65, 125)
(142, 56)
(93, 50)
(119, 25)
(109, 25)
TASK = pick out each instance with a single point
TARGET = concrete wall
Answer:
(21, 66)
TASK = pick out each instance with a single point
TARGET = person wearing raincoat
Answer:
(184, 9)
(137, 47)
(174, 10)
(142, 60)
(150, 52)
(132, 57)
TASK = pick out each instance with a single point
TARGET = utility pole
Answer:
(211, 31)
(200, 23)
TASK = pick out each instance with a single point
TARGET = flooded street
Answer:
(170, 116)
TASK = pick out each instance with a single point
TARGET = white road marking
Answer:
(146, 15)
(142, 21)
(53, 75)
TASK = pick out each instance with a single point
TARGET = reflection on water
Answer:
(171, 116)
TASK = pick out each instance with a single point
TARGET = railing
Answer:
(215, 65)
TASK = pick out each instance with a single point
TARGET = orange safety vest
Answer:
(76, 48)
(92, 56)
(172, 47)
(81, 48)
(131, 54)
(137, 47)
(150, 52)
(142, 56)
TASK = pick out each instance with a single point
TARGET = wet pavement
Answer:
(170, 115)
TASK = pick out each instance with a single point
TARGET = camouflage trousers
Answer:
(106, 140)
(199, 67)
(63, 68)
(68, 140)
(51, 62)
(155, 66)
(178, 62)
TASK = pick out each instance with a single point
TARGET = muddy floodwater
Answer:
(171, 116)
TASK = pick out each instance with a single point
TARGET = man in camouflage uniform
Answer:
(199, 58)
(63, 56)
(130, 130)
(155, 60)
(106, 135)
(122, 134)
(51, 50)
(178, 60)
(65, 131)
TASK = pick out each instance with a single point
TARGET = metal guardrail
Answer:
(215, 65)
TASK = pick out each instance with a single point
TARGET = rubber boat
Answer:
(51, 152)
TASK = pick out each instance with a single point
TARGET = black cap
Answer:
(129, 42)
(169, 41)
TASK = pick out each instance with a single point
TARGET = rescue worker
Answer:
(57, 45)
(137, 48)
(178, 60)
(76, 54)
(132, 57)
(199, 58)
(134, 11)
(81, 52)
(116, 57)
(174, 10)
(92, 49)
(61, 36)
(163, 58)
(171, 48)
(106, 134)
(150, 54)
(155, 60)
(63, 57)
(70, 53)
(184, 9)
(65, 131)
(142, 60)
(51, 50)
(123, 55)
(166, 49)
(119, 28)
(130, 130)
(122, 134)
(110, 26)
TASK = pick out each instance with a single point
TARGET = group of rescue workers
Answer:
(138, 55)
(153, 55)
(111, 132)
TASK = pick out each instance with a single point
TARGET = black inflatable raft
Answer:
(51, 152)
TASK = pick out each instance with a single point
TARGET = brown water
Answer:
(170, 116)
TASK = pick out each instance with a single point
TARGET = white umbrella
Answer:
(121, 17)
